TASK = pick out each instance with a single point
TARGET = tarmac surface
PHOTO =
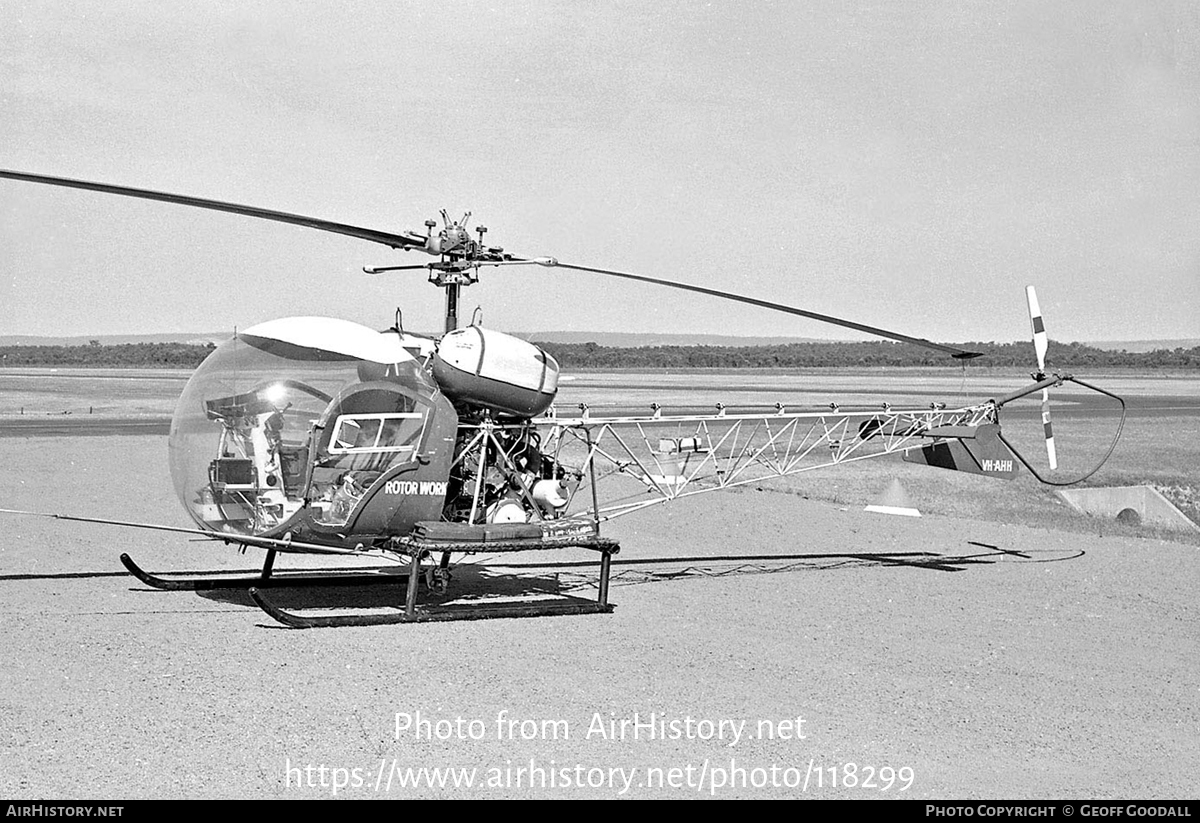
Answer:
(104, 425)
(59, 402)
(945, 658)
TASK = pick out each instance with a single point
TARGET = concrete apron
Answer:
(1151, 507)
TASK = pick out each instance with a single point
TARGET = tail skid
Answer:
(1041, 343)
(1044, 386)
(983, 449)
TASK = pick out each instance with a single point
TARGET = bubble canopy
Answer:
(270, 404)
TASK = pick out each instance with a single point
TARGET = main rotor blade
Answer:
(396, 241)
(961, 354)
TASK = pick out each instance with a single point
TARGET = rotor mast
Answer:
(459, 258)
(459, 263)
(452, 306)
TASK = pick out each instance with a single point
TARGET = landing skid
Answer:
(418, 549)
(431, 614)
(263, 580)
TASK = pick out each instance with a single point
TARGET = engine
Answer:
(512, 481)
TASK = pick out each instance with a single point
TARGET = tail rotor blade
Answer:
(1040, 341)
(1040, 344)
(1048, 430)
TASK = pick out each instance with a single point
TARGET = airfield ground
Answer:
(996, 647)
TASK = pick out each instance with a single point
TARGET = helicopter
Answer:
(323, 436)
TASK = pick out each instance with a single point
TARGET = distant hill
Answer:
(627, 340)
(591, 355)
(620, 340)
(1146, 345)
(632, 340)
(197, 339)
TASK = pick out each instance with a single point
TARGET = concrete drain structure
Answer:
(1126, 502)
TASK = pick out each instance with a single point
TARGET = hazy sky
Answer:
(910, 165)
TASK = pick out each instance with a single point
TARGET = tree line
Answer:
(594, 356)
(863, 354)
(96, 355)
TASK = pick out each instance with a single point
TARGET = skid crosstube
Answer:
(418, 548)
(262, 581)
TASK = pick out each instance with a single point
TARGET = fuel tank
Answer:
(489, 368)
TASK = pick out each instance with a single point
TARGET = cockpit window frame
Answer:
(411, 444)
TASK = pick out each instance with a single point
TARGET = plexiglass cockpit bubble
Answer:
(284, 417)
